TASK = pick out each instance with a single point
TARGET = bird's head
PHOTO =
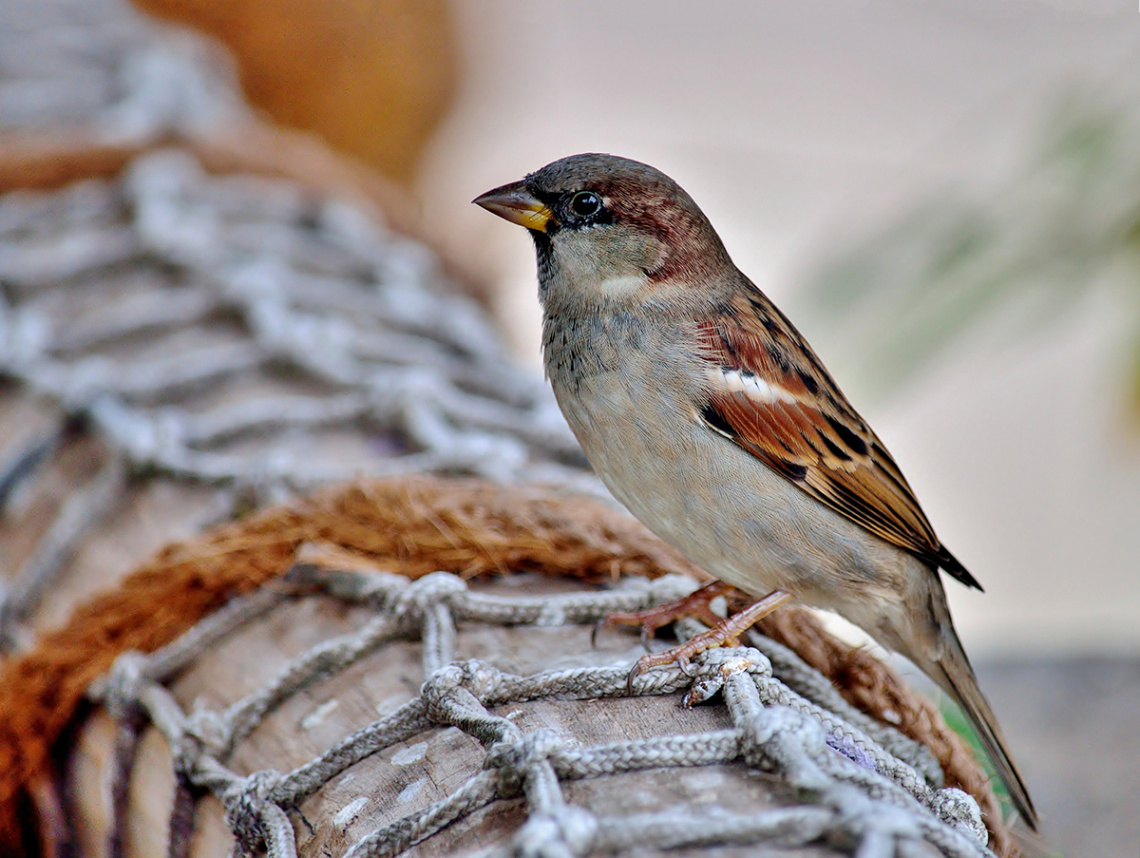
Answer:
(610, 229)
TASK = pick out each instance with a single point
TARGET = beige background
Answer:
(800, 127)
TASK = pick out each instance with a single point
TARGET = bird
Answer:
(707, 414)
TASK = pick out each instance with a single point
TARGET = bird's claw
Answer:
(725, 633)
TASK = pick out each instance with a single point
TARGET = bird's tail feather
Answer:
(953, 673)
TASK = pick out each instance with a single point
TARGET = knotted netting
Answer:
(393, 666)
(250, 334)
(870, 788)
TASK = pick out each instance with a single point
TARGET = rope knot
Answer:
(960, 810)
(246, 808)
(442, 685)
(480, 678)
(514, 757)
(473, 676)
(123, 686)
(718, 666)
(417, 599)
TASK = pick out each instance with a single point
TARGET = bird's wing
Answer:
(769, 394)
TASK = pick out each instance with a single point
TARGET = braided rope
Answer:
(850, 787)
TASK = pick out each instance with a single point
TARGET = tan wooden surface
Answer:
(412, 774)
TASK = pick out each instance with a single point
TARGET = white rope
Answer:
(850, 788)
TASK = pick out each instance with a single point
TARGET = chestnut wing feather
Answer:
(769, 394)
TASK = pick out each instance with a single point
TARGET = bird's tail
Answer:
(952, 672)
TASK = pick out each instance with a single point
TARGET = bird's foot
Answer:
(724, 632)
(649, 620)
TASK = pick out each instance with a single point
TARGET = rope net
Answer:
(248, 334)
(855, 779)
(773, 728)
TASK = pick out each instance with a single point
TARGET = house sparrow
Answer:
(705, 412)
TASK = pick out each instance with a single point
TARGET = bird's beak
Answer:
(515, 203)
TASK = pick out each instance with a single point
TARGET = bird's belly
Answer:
(728, 512)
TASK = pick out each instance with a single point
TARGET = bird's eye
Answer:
(585, 204)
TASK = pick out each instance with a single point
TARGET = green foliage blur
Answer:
(1054, 237)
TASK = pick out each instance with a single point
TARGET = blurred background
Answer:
(944, 196)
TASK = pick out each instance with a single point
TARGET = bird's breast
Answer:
(592, 347)
(635, 413)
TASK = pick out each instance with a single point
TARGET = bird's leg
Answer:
(649, 620)
(722, 633)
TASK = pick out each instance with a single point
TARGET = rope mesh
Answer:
(853, 790)
(252, 335)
